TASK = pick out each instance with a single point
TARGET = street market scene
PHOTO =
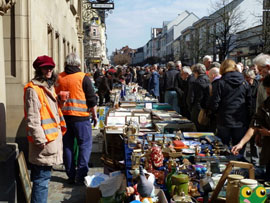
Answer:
(116, 101)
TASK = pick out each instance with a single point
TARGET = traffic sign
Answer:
(102, 5)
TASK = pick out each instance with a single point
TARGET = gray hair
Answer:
(215, 65)
(73, 59)
(178, 63)
(262, 60)
(186, 69)
(207, 58)
(199, 68)
(250, 73)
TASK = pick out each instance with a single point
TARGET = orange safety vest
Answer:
(48, 121)
(76, 104)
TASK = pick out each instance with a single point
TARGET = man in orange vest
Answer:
(76, 111)
(45, 126)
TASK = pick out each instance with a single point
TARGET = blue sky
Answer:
(131, 21)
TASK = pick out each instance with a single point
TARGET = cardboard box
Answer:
(161, 196)
(93, 195)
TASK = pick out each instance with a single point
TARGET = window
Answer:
(50, 41)
(57, 52)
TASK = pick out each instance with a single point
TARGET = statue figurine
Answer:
(207, 151)
(197, 150)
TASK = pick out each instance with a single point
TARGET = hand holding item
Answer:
(64, 95)
(235, 150)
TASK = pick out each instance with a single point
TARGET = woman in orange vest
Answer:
(45, 126)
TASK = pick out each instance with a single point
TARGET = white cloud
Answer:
(131, 21)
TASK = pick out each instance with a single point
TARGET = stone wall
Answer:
(33, 28)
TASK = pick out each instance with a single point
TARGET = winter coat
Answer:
(181, 87)
(190, 93)
(254, 91)
(154, 84)
(201, 92)
(53, 151)
(261, 95)
(146, 78)
(140, 77)
(262, 119)
(105, 86)
(231, 100)
(169, 79)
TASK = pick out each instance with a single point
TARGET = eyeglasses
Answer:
(47, 67)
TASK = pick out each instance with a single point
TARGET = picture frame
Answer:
(141, 114)
(116, 120)
(24, 177)
(134, 118)
(148, 105)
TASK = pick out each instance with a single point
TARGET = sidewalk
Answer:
(60, 191)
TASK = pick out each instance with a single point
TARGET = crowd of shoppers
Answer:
(233, 98)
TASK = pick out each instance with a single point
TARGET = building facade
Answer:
(33, 28)
(95, 51)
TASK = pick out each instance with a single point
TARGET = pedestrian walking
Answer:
(76, 111)
(153, 85)
(45, 126)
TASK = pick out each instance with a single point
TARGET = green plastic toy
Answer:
(258, 195)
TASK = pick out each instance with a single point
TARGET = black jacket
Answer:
(146, 78)
(254, 90)
(231, 101)
(259, 120)
(91, 99)
(200, 88)
(190, 93)
(181, 87)
(105, 86)
(169, 79)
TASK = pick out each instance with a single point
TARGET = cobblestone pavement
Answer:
(60, 191)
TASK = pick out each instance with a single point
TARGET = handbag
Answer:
(203, 118)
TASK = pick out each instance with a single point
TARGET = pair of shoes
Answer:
(71, 181)
(79, 182)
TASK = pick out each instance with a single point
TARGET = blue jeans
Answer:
(82, 130)
(172, 99)
(40, 175)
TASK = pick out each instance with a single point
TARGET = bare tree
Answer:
(227, 19)
(121, 59)
(200, 41)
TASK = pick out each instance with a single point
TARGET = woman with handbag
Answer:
(200, 94)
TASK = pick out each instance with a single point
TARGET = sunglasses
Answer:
(47, 67)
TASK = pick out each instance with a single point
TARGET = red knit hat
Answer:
(42, 61)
